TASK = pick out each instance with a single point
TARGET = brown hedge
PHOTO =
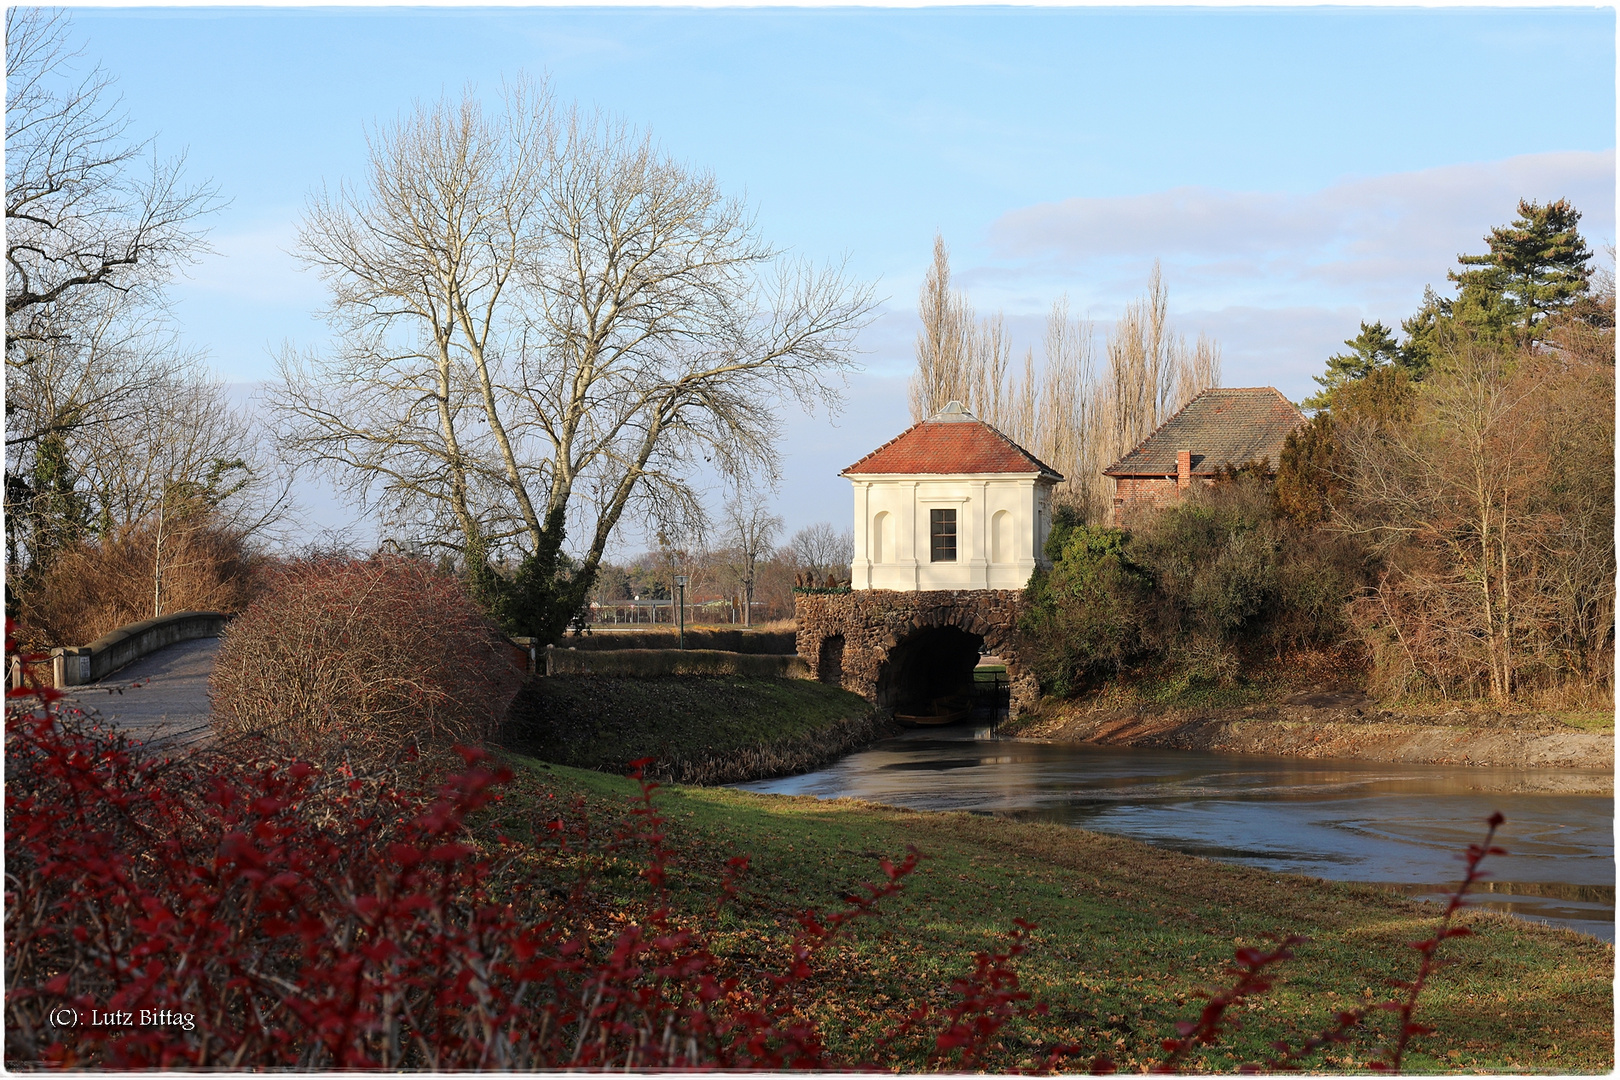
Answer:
(375, 655)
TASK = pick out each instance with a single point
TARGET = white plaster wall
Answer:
(903, 562)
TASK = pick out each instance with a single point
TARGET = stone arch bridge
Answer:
(900, 648)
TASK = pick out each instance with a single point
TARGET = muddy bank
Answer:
(1340, 725)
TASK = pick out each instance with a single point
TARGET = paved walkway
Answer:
(159, 700)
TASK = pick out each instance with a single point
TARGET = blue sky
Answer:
(1295, 170)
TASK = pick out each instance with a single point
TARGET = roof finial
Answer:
(953, 412)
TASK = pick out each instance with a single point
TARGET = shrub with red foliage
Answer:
(227, 910)
(376, 655)
(276, 916)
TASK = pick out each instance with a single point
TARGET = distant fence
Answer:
(649, 662)
(752, 642)
(111, 651)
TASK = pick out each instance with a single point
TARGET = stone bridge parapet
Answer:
(115, 649)
(862, 640)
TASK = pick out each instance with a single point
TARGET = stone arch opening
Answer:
(918, 644)
(830, 660)
(931, 662)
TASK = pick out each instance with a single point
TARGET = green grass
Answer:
(597, 721)
(1598, 720)
(1198, 694)
(1587, 721)
(1128, 935)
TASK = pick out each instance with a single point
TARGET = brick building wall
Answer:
(1147, 492)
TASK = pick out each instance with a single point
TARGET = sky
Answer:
(1294, 170)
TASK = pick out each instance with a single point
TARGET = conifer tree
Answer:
(1374, 347)
(1536, 266)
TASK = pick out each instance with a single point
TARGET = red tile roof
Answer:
(1221, 426)
(942, 447)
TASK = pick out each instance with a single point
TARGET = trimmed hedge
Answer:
(655, 662)
(752, 642)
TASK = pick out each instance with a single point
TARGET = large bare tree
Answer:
(92, 217)
(543, 323)
(945, 342)
(96, 224)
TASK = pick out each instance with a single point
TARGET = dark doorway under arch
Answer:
(930, 663)
(830, 662)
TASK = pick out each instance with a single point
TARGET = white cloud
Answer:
(1372, 242)
(1280, 279)
(256, 263)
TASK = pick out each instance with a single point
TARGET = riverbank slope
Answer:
(699, 729)
(1333, 724)
(1127, 937)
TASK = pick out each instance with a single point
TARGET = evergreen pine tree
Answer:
(1536, 266)
(1372, 348)
(1422, 330)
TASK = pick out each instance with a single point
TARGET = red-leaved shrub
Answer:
(375, 655)
(227, 910)
(237, 913)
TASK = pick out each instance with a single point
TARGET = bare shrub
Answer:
(1491, 507)
(377, 655)
(92, 588)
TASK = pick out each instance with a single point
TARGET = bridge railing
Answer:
(115, 649)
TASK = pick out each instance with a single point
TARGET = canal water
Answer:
(1397, 825)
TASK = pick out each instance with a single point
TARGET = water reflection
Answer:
(1395, 824)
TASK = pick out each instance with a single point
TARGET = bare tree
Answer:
(822, 550)
(1052, 411)
(751, 531)
(945, 343)
(1141, 372)
(1451, 500)
(186, 461)
(423, 264)
(1197, 368)
(81, 227)
(1060, 410)
(544, 323)
(683, 552)
(1065, 433)
(95, 226)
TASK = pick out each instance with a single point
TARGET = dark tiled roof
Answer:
(951, 446)
(1221, 426)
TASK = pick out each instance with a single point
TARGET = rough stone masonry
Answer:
(851, 638)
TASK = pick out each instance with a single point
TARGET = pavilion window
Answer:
(942, 535)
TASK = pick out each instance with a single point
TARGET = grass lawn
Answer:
(1588, 721)
(1128, 935)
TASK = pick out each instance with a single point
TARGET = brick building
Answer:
(1221, 426)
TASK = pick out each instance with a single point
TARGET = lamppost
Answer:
(680, 587)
